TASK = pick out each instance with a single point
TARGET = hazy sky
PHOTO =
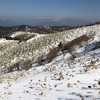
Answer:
(83, 9)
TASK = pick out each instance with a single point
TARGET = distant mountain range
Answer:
(56, 21)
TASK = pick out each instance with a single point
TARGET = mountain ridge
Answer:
(56, 21)
(43, 43)
(63, 78)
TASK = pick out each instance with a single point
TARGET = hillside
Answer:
(6, 31)
(42, 44)
(71, 74)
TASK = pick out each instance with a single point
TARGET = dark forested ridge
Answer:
(37, 29)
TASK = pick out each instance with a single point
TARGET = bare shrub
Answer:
(52, 53)
(74, 42)
(41, 59)
(22, 64)
(12, 67)
(69, 46)
(26, 64)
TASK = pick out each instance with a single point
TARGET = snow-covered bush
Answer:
(43, 44)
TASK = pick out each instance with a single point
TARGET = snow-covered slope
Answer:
(64, 78)
(41, 45)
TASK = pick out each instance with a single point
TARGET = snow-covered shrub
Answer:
(43, 44)
(7, 45)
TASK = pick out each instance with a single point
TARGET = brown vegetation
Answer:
(74, 42)
(26, 64)
(52, 53)
(69, 46)
(12, 67)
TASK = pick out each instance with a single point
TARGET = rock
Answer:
(89, 86)
(98, 82)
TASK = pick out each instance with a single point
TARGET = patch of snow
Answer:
(21, 33)
(3, 40)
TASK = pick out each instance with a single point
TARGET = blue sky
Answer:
(83, 9)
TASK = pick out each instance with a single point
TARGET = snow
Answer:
(36, 37)
(3, 40)
(20, 33)
(62, 79)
